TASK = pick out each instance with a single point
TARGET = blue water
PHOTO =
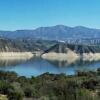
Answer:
(38, 66)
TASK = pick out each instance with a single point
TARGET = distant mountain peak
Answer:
(80, 27)
(60, 25)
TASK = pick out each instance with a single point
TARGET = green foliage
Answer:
(50, 86)
(13, 95)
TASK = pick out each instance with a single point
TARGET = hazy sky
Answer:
(29, 14)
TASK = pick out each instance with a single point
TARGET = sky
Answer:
(30, 14)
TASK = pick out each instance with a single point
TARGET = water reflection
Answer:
(38, 66)
(11, 61)
(78, 63)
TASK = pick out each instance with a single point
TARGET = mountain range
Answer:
(58, 32)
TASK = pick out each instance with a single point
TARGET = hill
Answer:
(20, 45)
(77, 48)
(58, 32)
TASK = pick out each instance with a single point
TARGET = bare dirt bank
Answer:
(15, 55)
(71, 56)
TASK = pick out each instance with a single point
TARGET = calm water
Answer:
(38, 66)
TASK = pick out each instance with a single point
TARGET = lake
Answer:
(38, 66)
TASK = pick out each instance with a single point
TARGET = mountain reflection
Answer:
(11, 62)
(78, 63)
(38, 66)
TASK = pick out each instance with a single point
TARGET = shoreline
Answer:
(71, 56)
(16, 55)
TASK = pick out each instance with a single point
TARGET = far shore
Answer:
(71, 56)
(15, 55)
